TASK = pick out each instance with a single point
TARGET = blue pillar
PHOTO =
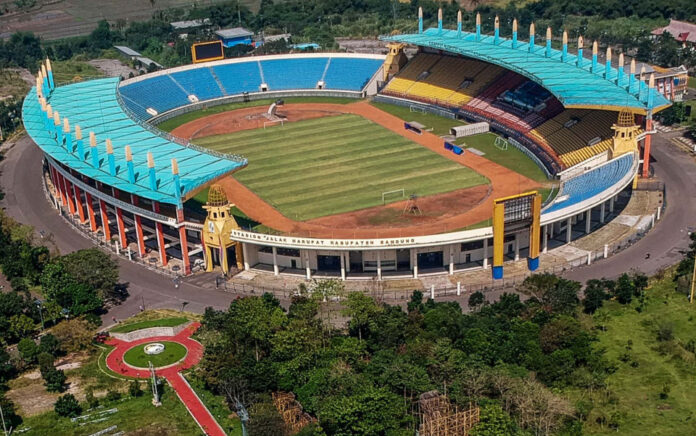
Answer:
(564, 55)
(439, 20)
(420, 20)
(533, 263)
(112, 163)
(496, 31)
(131, 171)
(95, 156)
(580, 58)
(619, 78)
(80, 149)
(497, 272)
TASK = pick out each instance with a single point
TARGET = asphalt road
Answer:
(25, 201)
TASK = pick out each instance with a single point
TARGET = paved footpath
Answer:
(172, 374)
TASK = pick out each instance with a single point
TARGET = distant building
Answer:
(681, 31)
(306, 46)
(235, 36)
(670, 82)
(179, 26)
(134, 55)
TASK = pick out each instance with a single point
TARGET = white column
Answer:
(379, 265)
(602, 209)
(612, 200)
(414, 262)
(569, 231)
(343, 266)
(451, 260)
(347, 261)
(275, 260)
(517, 247)
(588, 220)
(589, 258)
(485, 253)
(659, 209)
(652, 221)
(246, 256)
(606, 251)
(545, 239)
(459, 288)
(308, 270)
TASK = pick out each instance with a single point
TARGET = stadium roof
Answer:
(94, 106)
(574, 86)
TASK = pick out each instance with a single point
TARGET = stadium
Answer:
(289, 164)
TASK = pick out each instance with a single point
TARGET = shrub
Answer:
(68, 406)
(45, 361)
(112, 395)
(665, 332)
(134, 389)
(28, 350)
(92, 401)
(54, 379)
(49, 344)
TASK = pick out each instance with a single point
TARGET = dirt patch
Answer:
(432, 209)
(246, 119)
(112, 67)
(455, 212)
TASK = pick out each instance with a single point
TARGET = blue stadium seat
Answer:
(239, 77)
(300, 73)
(199, 82)
(350, 73)
(160, 93)
(593, 182)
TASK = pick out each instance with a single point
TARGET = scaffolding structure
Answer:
(290, 410)
(438, 417)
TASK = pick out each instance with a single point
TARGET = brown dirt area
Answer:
(441, 212)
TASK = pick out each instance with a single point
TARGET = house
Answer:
(681, 31)
(235, 36)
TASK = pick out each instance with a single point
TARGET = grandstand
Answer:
(167, 90)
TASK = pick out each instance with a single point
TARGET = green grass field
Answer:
(645, 365)
(330, 165)
(164, 322)
(439, 125)
(173, 352)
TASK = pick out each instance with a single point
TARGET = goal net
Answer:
(392, 195)
(501, 143)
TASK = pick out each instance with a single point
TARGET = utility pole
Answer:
(693, 282)
(4, 427)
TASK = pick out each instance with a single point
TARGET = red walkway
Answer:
(183, 390)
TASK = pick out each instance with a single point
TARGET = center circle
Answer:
(160, 354)
(155, 348)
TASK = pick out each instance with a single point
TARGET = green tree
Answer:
(476, 300)
(264, 419)
(625, 289)
(49, 344)
(362, 311)
(21, 326)
(28, 350)
(595, 294)
(252, 323)
(94, 268)
(557, 294)
(134, 389)
(68, 406)
(9, 413)
(369, 413)
(493, 421)
(54, 379)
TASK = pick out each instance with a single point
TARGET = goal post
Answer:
(501, 143)
(416, 109)
(392, 193)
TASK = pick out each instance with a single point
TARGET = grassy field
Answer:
(646, 366)
(163, 322)
(173, 352)
(511, 158)
(439, 125)
(692, 83)
(330, 165)
(177, 121)
(136, 415)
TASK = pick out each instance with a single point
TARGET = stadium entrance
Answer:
(328, 263)
(434, 259)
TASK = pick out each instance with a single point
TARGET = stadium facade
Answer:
(126, 182)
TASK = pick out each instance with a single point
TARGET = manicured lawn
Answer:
(164, 322)
(330, 165)
(175, 122)
(440, 125)
(131, 414)
(645, 365)
(512, 158)
(172, 353)
(692, 83)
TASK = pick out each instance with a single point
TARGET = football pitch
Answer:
(324, 166)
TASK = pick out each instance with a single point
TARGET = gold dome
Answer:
(216, 196)
(626, 119)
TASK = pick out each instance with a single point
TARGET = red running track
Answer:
(172, 374)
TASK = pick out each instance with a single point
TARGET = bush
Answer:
(54, 379)
(28, 350)
(134, 389)
(73, 335)
(45, 361)
(49, 344)
(112, 395)
(68, 406)
(665, 332)
(476, 299)
(92, 401)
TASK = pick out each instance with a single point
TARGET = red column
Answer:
(78, 203)
(90, 212)
(138, 228)
(69, 196)
(184, 244)
(57, 183)
(646, 148)
(105, 221)
(161, 244)
(121, 228)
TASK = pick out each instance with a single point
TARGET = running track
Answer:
(183, 390)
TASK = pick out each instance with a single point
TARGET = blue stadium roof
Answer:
(574, 86)
(94, 106)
